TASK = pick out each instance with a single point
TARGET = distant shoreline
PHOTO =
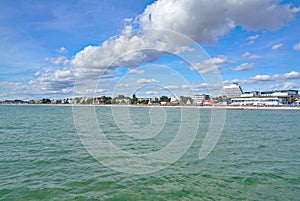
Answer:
(172, 106)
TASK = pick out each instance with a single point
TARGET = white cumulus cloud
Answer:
(204, 21)
(61, 60)
(291, 75)
(125, 50)
(262, 78)
(59, 81)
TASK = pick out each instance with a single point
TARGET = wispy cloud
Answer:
(251, 39)
(62, 50)
(251, 56)
(290, 85)
(151, 93)
(210, 65)
(277, 46)
(243, 67)
(297, 47)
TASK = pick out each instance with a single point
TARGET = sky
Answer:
(60, 49)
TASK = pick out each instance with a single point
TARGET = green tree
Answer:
(120, 97)
(165, 99)
(77, 100)
(184, 99)
(221, 99)
(144, 102)
(108, 100)
(46, 101)
(134, 99)
(89, 101)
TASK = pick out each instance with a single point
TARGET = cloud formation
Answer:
(59, 81)
(289, 85)
(251, 56)
(293, 75)
(61, 60)
(203, 21)
(286, 76)
(297, 47)
(253, 37)
(210, 65)
(135, 71)
(243, 67)
(151, 93)
(126, 51)
(277, 46)
(62, 50)
(13, 86)
(147, 81)
(206, 21)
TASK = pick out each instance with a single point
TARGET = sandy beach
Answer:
(173, 106)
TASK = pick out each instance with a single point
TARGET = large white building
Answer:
(268, 98)
(256, 101)
(232, 91)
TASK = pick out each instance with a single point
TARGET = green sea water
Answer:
(42, 158)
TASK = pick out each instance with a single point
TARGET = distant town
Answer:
(232, 95)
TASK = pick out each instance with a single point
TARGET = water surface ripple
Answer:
(42, 158)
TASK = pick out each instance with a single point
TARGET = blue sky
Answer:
(48, 45)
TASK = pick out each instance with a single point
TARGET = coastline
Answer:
(230, 107)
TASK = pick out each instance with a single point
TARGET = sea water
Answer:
(42, 157)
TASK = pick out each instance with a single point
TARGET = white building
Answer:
(232, 91)
(257, 101)
(198, 99)
(267, 98)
